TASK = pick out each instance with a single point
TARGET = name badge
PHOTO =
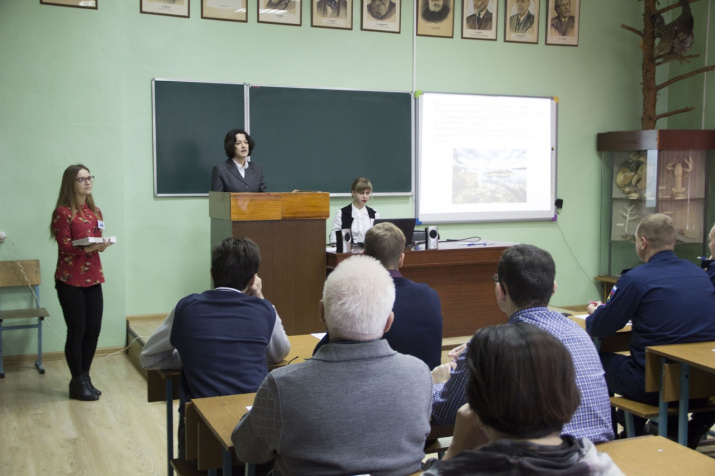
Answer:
(100, 224)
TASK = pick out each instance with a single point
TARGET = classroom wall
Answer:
(75, 86)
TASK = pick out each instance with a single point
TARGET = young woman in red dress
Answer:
(79, 276)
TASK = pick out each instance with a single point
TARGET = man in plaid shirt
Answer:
(524, 283)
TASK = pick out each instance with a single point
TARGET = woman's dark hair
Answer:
(68, 196)
(229, 142)
(521, 380)
(234, 262)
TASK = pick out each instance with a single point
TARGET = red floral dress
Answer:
(74, 266)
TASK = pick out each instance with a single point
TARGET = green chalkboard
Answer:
(190, 122)
(306, 139)
(322, 139)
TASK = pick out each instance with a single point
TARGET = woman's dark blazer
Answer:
(226, 178)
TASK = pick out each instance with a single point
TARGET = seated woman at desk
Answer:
(237, 174)
(357, 216)
(520, 391)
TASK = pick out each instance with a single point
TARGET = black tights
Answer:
(82, 308)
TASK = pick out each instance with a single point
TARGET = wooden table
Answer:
(699, 355)
(301, 348)
(461, 273)
(655, 456)
(218, 416)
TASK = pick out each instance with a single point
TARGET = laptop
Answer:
(406, 225)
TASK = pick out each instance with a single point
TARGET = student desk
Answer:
(301, 348)
(655, 455)
(461, 273)
(700, 356)
(211, 430)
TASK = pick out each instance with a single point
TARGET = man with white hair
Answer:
(357, 406)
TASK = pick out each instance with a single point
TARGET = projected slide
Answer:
(485, 158)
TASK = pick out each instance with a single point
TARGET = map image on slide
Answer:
(488, 176)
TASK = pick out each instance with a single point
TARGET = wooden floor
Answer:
(43, 432)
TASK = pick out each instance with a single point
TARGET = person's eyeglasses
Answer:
(495, 278)
(83, 180)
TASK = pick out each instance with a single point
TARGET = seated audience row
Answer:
(360, 406)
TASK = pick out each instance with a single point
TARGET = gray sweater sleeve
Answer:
(257, 435)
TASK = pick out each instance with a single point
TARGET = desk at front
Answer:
(461, 275)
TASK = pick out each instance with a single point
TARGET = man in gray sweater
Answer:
(357, 406)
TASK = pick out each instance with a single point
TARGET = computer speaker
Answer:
(343, 239)
(431, 238)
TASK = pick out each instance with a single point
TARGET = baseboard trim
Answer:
(31, 358)
(147, 317)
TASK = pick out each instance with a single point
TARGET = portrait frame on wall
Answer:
(380, 15)
(435, 18)
(562, 24)
(227, 10)
(173, 8)
(338, 15)
(280, 12)
(480, 19)
(521, 25)
(89, 4)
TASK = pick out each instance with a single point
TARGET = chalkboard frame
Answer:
(203, 132)
(166, 164)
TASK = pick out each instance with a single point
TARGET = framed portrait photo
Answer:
(435, 18)
(381, 15)
(521, 21)
(72, 3)
(174, 8)
(479, 19)
(282, 12)
(562, 18)
(332, 14)
(229, 10)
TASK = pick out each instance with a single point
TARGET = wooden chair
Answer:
(20, 274)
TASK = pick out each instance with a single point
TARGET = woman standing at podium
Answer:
(357, 216)
(237, 174)
(79, 276)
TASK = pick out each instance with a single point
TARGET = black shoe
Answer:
(79, 389)
(92, 387)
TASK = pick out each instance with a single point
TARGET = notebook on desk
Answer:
(406, 225)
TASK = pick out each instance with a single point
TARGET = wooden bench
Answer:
(20, 274)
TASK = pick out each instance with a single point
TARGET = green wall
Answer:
(75, 86)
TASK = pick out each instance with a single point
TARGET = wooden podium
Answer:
(289, 229)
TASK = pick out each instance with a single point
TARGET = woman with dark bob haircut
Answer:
(520, 391)
(236, 173)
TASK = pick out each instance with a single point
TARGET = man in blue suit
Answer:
(669, 301)
(237, 174)
(417, 328)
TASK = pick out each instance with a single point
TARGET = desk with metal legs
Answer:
(301, 349)
(701, 357)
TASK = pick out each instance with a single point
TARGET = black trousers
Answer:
(82, 308)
